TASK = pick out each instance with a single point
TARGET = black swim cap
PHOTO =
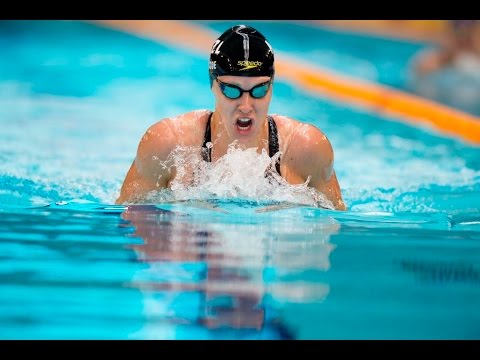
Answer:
(241, 51)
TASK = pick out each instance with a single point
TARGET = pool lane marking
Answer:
(381, 99)
(410, 30)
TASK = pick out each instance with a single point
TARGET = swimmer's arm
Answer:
(150, 170)
(315, 154)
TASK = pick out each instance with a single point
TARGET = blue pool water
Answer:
(401, 263)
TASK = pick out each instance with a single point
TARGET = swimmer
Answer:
(241, 70)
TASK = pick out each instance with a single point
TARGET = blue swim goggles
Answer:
(235, 92)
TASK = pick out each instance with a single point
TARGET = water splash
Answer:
(244, 174)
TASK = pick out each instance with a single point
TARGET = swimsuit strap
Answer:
(273, 145)
(207, 151)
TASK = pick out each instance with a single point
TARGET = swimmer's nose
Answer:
(245, 103)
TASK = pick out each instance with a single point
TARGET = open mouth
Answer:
(244, 124)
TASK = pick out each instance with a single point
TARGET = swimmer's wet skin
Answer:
(241, 73)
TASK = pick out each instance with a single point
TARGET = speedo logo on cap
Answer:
(249, 64)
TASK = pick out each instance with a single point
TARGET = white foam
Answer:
(238, 174)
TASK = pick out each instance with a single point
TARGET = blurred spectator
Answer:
(460, 48)
(450, 73)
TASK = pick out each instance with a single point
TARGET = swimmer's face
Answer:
(243, 115)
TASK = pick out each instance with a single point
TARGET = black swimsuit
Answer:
(273, 146)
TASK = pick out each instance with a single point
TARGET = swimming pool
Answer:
(402, 263)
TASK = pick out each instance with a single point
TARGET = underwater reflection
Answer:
(219, 276)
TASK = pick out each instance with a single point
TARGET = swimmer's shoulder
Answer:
(304, 146)
(289, 127)
(293, 131)
(184, 129)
